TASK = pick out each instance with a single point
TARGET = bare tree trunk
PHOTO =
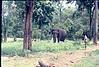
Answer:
(91, 34)
(5, 34)
(27, 44)
(5, 30)
(96, 23)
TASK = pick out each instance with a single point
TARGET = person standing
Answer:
(85, 41)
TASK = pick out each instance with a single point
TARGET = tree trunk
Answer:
(5, 34)
(5, 27)
(96, 23)
(27, 44)
(5, 30)
(41, 27)
(91, 32)
(60, 10)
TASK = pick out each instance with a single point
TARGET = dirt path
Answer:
(73, 57)
(61, 59)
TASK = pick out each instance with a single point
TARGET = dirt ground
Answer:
(61, 59)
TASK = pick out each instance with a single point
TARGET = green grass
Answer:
(90, 61)
(15, 48)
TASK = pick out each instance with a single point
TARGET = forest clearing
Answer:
(50, 33)
(60, 58)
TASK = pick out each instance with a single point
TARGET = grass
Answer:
(90, 61)
(15, 48)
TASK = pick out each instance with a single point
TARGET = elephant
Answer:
(58, 34)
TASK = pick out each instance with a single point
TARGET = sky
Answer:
(68, 5)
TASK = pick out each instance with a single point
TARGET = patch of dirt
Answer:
(61, 59)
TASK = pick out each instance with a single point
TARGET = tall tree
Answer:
(5, 16)
(95, 29)
(27, 44)
(90, 5)
(42, 14)
(17, 19)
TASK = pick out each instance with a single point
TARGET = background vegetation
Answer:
(76, 17)
(46, 15)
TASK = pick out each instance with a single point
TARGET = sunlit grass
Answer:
(15, 48)
(12, 48)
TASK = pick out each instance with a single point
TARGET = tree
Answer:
(95, 25)
(75, 22)
(12, 19)
(90, 5)
(27, 43)
(17, 19)
(42, 15)
(5, 17)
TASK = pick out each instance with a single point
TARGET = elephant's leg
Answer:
(62, 39)
(58, 40)
(54, 39)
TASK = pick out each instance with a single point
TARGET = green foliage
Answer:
(42, 34)
(73, 25)
(11, 48)
(89, 6)
(94, 53)
(42, 14)
(36, 33)
(46, 15)
(14, 19)
(83, 4)
(15, 48)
